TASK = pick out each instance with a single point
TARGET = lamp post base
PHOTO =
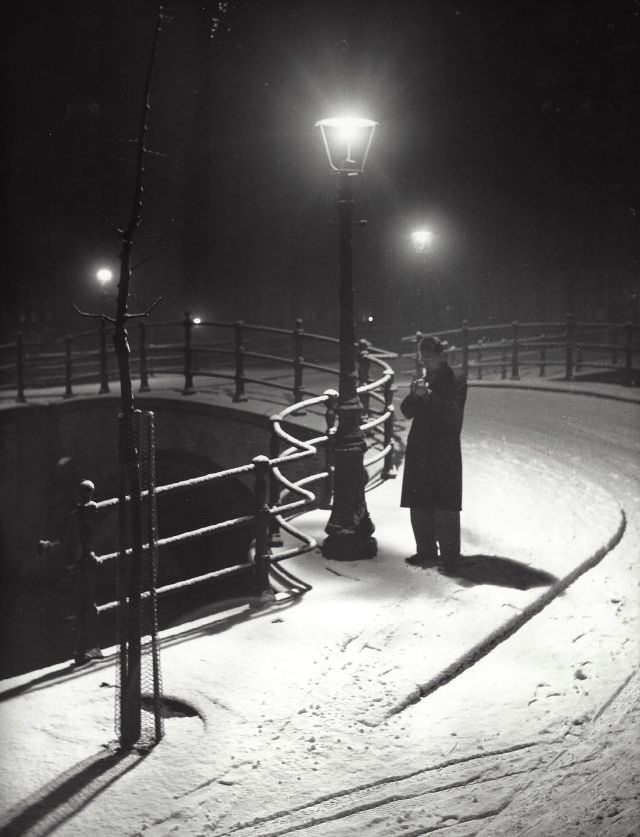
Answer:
(349, 546)
(350, 527)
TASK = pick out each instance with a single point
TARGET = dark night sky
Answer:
(512, 128)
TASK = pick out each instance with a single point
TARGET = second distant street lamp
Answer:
(350, 529)
(422, 240)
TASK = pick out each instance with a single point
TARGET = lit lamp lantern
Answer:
(347, 141)
(422, 240)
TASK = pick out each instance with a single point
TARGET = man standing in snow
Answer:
(432, 482)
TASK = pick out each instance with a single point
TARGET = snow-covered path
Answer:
(309, 720)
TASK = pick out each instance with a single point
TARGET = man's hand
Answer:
(419, 387)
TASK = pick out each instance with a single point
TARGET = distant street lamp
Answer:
(422, 241)
(349, 530)
(104, 277)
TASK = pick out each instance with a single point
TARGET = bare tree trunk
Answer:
(130, 723)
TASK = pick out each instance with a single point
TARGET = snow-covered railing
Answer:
(195, 350)
(277, 498)
(564, 348)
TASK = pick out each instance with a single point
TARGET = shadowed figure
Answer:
(493, 569)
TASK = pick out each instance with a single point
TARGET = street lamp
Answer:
(349, 530)
(104, 277)
(422, 240)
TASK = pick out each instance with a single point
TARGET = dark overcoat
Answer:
(433, 460)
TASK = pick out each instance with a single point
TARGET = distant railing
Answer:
(566, 349)
(193, 350)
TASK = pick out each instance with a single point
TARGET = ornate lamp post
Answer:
(349, 530)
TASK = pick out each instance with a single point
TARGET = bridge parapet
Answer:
(564, 349)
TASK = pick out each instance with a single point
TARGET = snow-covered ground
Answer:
(390, 700)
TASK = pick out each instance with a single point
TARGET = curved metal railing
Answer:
(278, 498)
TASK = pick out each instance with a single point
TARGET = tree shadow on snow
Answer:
(501, 572)
(62, 798)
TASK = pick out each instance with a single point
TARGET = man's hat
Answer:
(432, 345)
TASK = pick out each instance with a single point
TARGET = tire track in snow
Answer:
(430, 796)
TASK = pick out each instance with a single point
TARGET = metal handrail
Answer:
(279, 511)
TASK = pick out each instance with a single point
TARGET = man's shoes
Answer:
(419, 560)
(448, 568)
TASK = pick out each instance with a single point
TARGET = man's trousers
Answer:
(437, 534)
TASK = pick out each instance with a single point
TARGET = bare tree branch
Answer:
(105, 317)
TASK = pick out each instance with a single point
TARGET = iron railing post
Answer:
(515, 351)
(465, 347)
(543, 360)
(363, 374)
(628, 354)
(275, 539)
(389, 470)
(189, 389)
(87, 636)
(68, 370)
(330, 417)
(142, 353)
(503, 362)
(262, 560)
(20, 397)
(239, 394)
(417, 357)
(479, 363)
(298, 360)
(104, 370)
(570, 337)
